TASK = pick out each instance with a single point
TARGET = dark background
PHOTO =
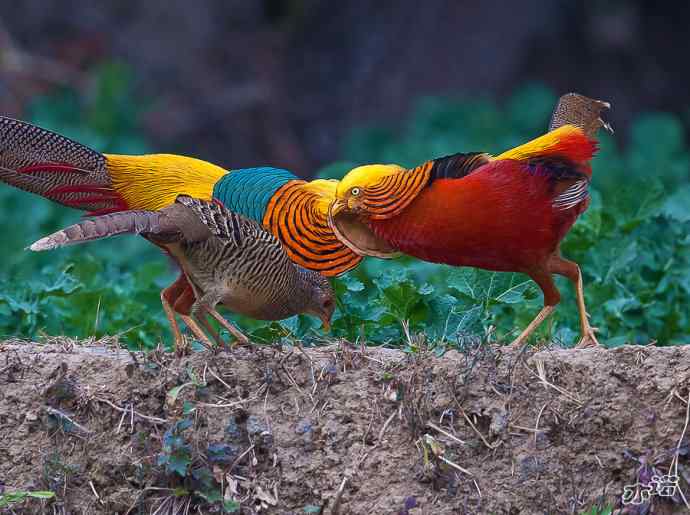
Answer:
(243, 83)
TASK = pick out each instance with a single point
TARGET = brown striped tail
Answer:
(580, 111)
(137, 222)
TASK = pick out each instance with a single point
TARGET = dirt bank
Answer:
(341, 430)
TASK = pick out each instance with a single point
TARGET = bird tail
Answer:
(55, 167)
(104, 226)
(572, 131)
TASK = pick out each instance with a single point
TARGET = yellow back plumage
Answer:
(546, 143)
(153, 181)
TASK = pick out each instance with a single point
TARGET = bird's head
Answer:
(321, 297)
(370, 192)
(363, 190)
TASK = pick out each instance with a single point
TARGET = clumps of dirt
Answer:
(345, 430)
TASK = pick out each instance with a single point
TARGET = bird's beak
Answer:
(336, 207)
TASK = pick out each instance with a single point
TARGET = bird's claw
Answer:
(588, 340)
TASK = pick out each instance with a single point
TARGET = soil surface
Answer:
(343, 429)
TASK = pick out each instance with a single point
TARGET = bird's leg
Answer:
(206, 305)
(168, 296)
(197, 331)
(551, 298)
(203, 320)
(242, 339)
(183, 307)
(571, 270)
(533, 325)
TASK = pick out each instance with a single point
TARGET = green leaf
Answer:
(174, 392)
(42, 494)
(677, 206)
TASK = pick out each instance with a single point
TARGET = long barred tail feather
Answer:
(53, 166)
(580, 111)
(137, 222)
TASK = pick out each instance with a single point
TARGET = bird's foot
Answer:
(588, 340)
(241, 340)
(517, 342)
(237, 342)
(182, 347)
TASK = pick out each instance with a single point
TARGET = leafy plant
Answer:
(633, 243)
(7, 499)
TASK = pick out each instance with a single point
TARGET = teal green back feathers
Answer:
(249, 190)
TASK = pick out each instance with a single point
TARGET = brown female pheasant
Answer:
(227, 258)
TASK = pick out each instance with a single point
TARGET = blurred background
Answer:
(317, 87)
(242, 82)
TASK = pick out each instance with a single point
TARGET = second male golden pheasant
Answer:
(293, 210)
(504, 213)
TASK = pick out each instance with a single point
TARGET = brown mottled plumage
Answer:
(227, 258)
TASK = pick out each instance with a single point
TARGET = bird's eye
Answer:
(354, 192)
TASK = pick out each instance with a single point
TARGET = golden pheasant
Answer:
(504, 213)
(67, 172)
(226, 257)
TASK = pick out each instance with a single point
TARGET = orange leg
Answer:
(206, 305)
(242, 339)
(551, 298)
(183, 307)
(571, 270)
(168, 297)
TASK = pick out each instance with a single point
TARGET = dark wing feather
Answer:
(457, 165)
(223, 223)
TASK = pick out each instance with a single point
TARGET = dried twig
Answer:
(154, 420)
(343, 484)
(446, 433)
(536, 424)
(541, 375)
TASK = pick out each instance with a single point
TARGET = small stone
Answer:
(304, 426)
(233, 429)
(256, 426)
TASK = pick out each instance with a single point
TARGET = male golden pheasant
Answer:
(67, 172)
(227, 258)
(504, 213)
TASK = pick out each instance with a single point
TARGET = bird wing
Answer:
(203, 219)
(564, 153)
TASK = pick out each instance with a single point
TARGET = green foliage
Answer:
(187, 468)
(176, 454)
(8, 499)
(599, 510)
(633, 243)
